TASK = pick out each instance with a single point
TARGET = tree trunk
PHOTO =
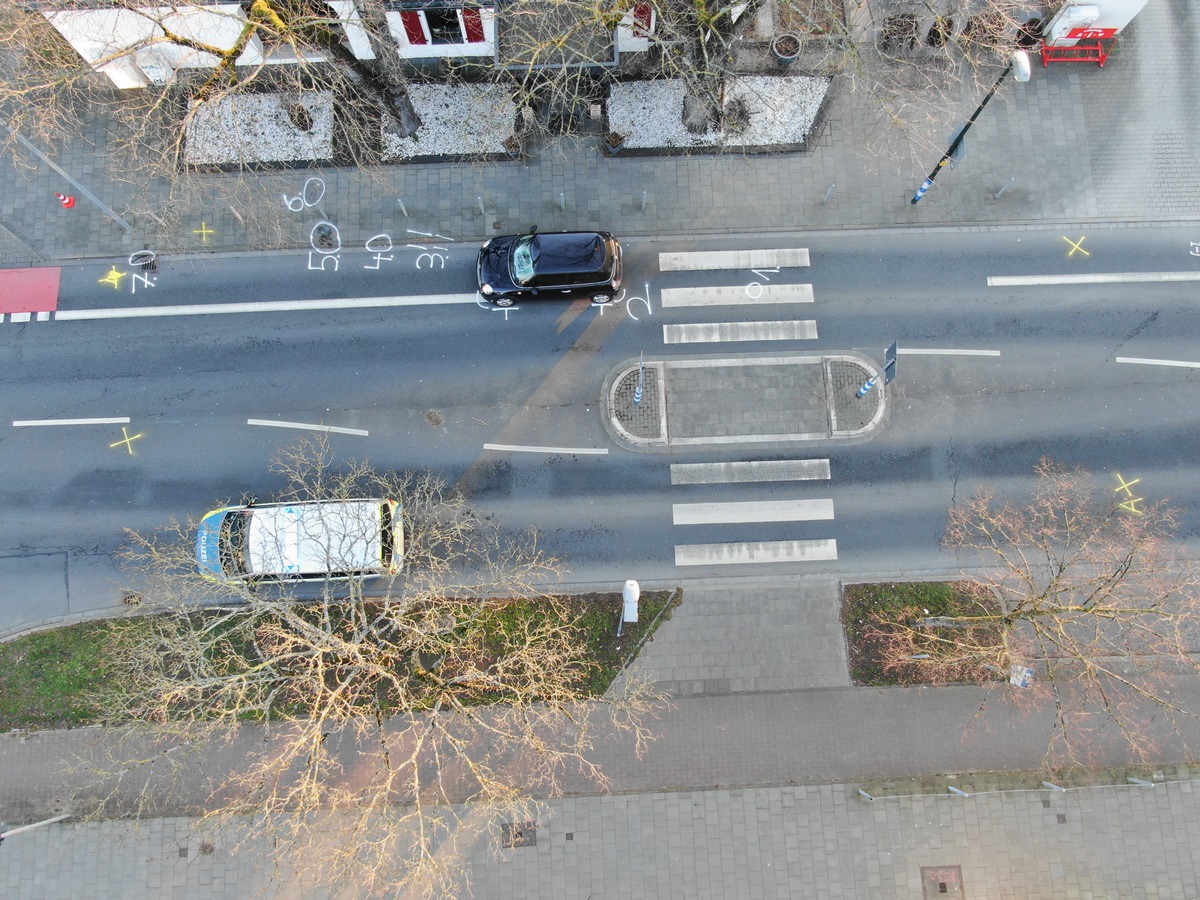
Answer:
(388, 76)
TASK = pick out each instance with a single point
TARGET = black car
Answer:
(550, 264)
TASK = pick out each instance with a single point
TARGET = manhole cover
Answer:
(941, 881)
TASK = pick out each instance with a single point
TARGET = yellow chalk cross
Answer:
(114, 278)
(1076, 245)
(1130, 505)
(127, 440)
(204, 231)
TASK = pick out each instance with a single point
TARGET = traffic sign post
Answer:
(889, 364)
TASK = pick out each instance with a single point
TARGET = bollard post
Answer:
(862, 391)
(645, 199)
(1007, 185)
(637, 394)
(562, 201)
(829, 193)
(403, 208)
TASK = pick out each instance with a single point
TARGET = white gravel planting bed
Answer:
(457, 120)
(248, 128)
(782, 110)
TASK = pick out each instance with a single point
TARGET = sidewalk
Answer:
(792, 843)
(1084, 144)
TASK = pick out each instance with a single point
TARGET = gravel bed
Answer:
(782, 110)
(248, 128)
(457, 120)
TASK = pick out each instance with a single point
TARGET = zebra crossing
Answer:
(752, 511)
(754, 294)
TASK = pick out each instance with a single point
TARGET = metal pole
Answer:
(949, 154)
(1007, 185)
(75, 184)
(13, 831)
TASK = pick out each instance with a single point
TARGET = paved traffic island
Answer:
(713, 402)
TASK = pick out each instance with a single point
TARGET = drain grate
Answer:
(941, 881)
(519, 834)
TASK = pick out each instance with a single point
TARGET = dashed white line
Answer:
(732, 259)
(305, 426)
(116, 420)
(215, 309)
(752, 470)
(755, 552)
(521, 448)
(1183, 364)
(735, 295)
(1090, 278)
(713, 332)
(751, 511)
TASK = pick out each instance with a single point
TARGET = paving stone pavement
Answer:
(749, 636)
(1120, 842)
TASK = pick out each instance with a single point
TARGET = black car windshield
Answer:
(524, 259)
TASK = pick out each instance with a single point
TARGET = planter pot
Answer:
(613, 143)
(785, 48)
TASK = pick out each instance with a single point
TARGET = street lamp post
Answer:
(1020, 62)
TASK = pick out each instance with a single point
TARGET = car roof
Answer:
(314, 538)
(562, 253)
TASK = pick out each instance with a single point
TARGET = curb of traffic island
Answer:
(638, 425)
(851, 416)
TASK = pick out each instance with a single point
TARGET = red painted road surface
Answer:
(29, 290)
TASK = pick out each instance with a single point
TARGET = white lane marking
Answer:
(751, 511)
(216, 309)
(732, 259)
(913, 351)
(519, 448)
(1091, 278)
(117, 420)
(1183, 364)
(753, 470)
(304, 426)
(754, 552)
(712, 332)
(731, 295)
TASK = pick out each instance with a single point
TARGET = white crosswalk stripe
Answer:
(755, 552)
(713, 332)
(736, 295)
(752, 511)
(732, 259)
(751, 470)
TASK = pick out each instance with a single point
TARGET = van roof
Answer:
(314, 538)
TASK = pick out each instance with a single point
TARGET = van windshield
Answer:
(233, 543)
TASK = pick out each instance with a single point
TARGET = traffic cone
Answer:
(65, 199)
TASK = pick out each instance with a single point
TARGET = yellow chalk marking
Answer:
(1076, 245)
(114, 278)
(127, 440)
(1125, 485)
(204, 231)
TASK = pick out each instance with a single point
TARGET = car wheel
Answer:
(601, 298)
(503, 301)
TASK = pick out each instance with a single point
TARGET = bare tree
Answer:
(1086, 589)
(411, 712)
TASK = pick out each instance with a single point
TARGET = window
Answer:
(443, 26)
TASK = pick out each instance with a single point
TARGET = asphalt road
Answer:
(436, 376)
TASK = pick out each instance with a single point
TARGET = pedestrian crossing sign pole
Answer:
(889, 364)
